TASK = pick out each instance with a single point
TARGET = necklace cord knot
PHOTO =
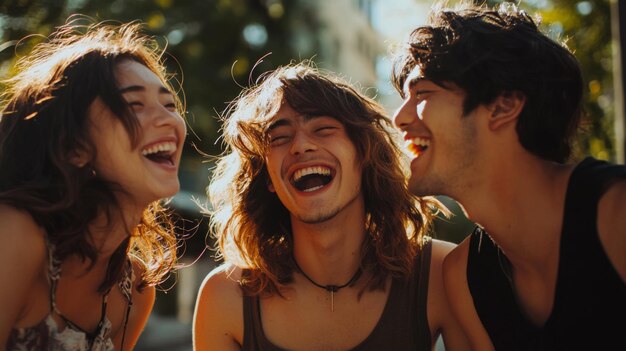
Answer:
(330, 287)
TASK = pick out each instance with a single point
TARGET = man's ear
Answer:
(506, 109)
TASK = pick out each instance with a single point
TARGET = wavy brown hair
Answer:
(250, 223)
(44, 121)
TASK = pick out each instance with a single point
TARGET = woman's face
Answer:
(149, 171)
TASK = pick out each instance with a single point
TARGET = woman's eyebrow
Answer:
(134, 88)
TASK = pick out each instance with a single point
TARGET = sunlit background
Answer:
(217, 46)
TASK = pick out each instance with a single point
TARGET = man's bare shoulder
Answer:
(221, 289)
(612, 225)
(612, 202)
(453, 271)
(218, 316)
(223, 277)
(460, 299)
(436, 295)
(441, 249)
(456, 259)
(440, 317)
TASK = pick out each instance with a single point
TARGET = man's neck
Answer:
(520, 203)
(330, 252)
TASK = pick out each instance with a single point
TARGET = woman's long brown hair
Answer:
(44, 121)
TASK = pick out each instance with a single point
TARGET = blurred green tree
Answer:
(212, 46)
(587, 25)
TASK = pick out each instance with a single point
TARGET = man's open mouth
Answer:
(311, 178)
(418, 145)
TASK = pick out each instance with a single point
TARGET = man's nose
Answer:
(404, 115)
(302, 143)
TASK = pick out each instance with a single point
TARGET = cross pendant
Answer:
(332, 289)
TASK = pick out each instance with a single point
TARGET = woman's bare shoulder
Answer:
(23, 256)
(20, 236)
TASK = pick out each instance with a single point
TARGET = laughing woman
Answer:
(91, 136)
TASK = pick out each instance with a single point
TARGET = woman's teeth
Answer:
(168, 147)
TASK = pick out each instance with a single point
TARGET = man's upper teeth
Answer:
(166, 146)
(311, 170)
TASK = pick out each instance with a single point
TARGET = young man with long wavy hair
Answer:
(324, 247)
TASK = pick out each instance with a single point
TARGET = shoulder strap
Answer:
(253, 335)
(587, 183)
(493, 296)
(126, 283)
(250, 317)
(422, 289)
(126, 287)
(54, 274)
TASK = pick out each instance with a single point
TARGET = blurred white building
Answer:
(395, 20)
(356, 38)
(339, 36)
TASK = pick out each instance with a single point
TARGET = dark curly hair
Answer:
(488, 52)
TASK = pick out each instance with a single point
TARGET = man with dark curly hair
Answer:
(490, 108)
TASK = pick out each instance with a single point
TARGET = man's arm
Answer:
(440, 315)
(612, 225)
(218, 316)
(460, 299)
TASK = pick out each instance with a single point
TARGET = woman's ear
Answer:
(270, 186)
(268, 182)
(506, 109)
(78, 157)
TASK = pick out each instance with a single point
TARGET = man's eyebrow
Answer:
(308, 118)
(278, 123)
(281, 122)
(411, 83)
(141, 88)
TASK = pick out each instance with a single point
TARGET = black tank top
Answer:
(403, 324)
(589, 311)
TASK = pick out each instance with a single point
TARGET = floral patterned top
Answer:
(46, 335)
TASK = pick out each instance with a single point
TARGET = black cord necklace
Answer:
(332, 289)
